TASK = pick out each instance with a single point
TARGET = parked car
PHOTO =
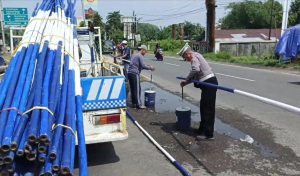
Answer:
(109, 47)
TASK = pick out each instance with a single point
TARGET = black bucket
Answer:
(150, 98)
(183, 115)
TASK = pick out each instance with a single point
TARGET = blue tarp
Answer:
(289, 44)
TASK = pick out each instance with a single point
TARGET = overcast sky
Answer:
(158, 12)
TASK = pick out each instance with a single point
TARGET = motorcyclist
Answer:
(158, 53)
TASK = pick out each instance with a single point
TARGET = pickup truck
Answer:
(104, 94)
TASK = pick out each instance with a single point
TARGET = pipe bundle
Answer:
(40, 97)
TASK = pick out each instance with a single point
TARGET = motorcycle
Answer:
(159, 54)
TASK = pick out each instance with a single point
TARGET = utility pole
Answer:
(182, 31)
(134, 31)
(271, 19)
(2, 25)
(285, 16)
(83, 11)
(174, 31)
(210, 25)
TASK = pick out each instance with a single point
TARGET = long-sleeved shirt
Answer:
(200, 68)
(137, 64)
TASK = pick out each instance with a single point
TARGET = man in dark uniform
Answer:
(201, 71)
(125, 58)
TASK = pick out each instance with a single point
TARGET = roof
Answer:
(246, 35)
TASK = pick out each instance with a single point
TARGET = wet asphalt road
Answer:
(275, 147)
(274, 84)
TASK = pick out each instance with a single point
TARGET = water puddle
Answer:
(168, 102)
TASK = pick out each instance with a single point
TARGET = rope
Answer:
(38, 108)
(47, 19)
(12, 108)
(64, 126)
(50, 43)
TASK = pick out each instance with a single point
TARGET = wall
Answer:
(247, 49)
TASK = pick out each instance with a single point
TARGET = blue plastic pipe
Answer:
(7, 78)
(28, 84)
(35, 117)
(183, 171)
(18, 132)
(8, 100)
(210, 85)
(45, 115)
(60, 120)
(55, 89)
(6, 141)
(83, 168)
(70, 116)
(57, 162)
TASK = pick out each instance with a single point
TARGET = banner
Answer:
(90, 7)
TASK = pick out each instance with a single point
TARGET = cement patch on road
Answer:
(227, 154)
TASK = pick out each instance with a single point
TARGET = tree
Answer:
(97, 20)
(294, 14)
(193, 31)
(165, 33)
(82, 24)
(148, 31)
(114, 27)
(252, 15)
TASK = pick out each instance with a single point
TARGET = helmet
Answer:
(124, 42)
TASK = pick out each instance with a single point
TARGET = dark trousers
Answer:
(207, 108)
(135, 89)
(125, 69)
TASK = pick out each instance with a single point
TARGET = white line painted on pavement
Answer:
(257, 69)
(148, 78)
(235, 77)
(172, 64)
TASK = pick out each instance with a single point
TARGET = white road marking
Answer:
(148, 78)
(257, 69)
(235, 77)
(172, 64)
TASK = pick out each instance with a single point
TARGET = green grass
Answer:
(242, 60)
(171, 53)
(250, 60)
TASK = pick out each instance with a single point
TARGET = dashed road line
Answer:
(236, 77)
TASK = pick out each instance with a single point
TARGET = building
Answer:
(246, 42)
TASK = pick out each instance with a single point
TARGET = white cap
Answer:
(184, 49)
(143, 47)
(124, 42)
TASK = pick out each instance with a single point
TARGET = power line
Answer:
(175, 14)
(167, 18)
(174, 9)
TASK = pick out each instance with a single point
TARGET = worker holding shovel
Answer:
(201, 71)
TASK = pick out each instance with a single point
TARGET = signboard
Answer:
(90, 7)
(127, 19)
(15, 16)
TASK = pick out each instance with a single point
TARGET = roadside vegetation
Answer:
(242, 15)
(269, 61)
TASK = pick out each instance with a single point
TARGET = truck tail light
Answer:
(108, 119)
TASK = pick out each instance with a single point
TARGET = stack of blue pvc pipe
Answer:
(40, 97)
